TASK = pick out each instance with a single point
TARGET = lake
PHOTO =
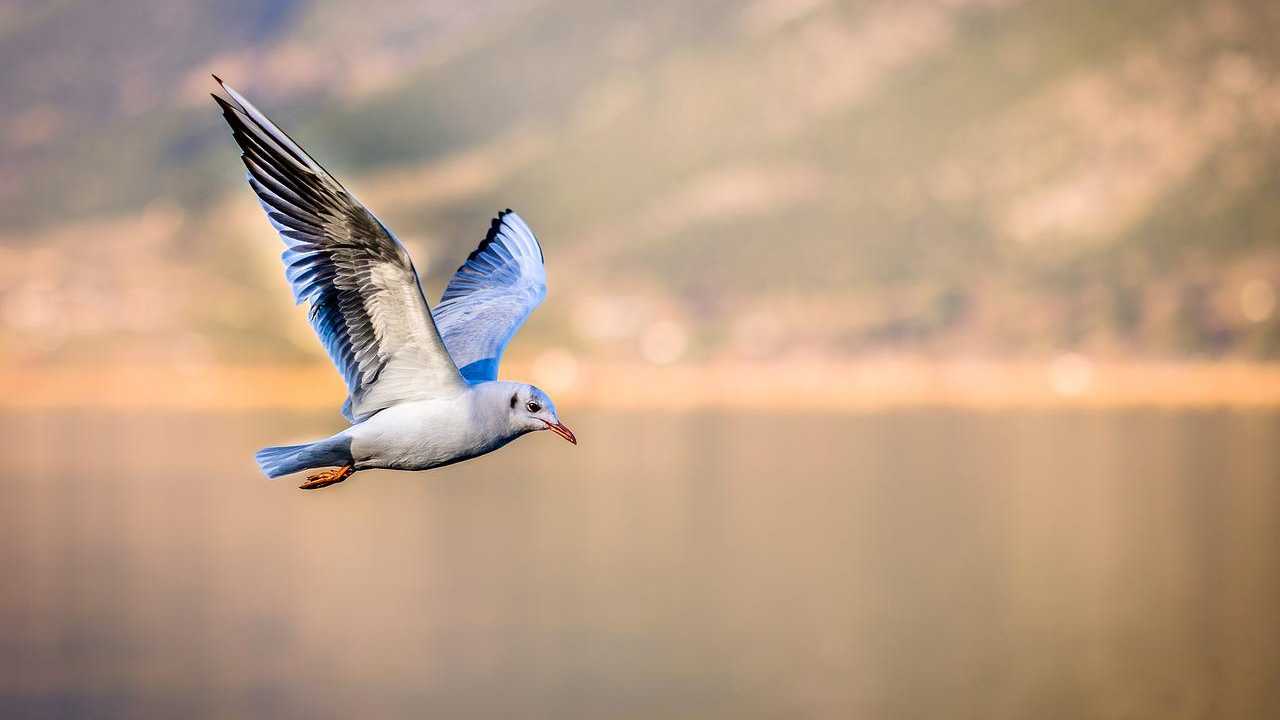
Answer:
(921, 564)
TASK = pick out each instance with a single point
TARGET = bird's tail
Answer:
(288, 459)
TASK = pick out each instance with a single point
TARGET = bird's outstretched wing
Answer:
(365, 301)
(490, 296)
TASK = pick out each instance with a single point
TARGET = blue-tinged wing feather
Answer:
(490, 296)
(365, 302)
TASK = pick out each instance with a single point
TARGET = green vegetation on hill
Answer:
(962, 177)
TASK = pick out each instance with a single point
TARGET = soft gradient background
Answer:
(923, 355)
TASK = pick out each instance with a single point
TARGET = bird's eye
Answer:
(533, 406)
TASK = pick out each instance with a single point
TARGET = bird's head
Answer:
(530, 409)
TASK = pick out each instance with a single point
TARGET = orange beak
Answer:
(563, 431)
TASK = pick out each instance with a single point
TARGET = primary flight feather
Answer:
(423, 388)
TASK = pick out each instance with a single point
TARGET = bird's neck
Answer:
(490, 407)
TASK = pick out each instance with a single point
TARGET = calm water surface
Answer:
(914, 565)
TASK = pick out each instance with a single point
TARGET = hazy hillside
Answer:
(958, 177)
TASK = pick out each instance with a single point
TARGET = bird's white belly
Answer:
(417, 436)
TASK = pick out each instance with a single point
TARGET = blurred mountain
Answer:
(732, 179)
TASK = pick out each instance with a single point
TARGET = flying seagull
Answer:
(423, 384)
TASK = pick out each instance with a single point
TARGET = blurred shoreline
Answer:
(853, 386)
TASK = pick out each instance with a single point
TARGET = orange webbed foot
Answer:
(327, 478)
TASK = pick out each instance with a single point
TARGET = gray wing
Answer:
(365, 301)
(490, 296)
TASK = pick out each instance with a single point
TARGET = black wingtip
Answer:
(224, 105)
(494, 226)
(222, 102)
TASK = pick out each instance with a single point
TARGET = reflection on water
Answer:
(907, 565)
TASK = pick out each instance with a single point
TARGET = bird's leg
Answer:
(327, 478)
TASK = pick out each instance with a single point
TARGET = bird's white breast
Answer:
(425, 434)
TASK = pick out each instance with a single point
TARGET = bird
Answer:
(422, 382)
